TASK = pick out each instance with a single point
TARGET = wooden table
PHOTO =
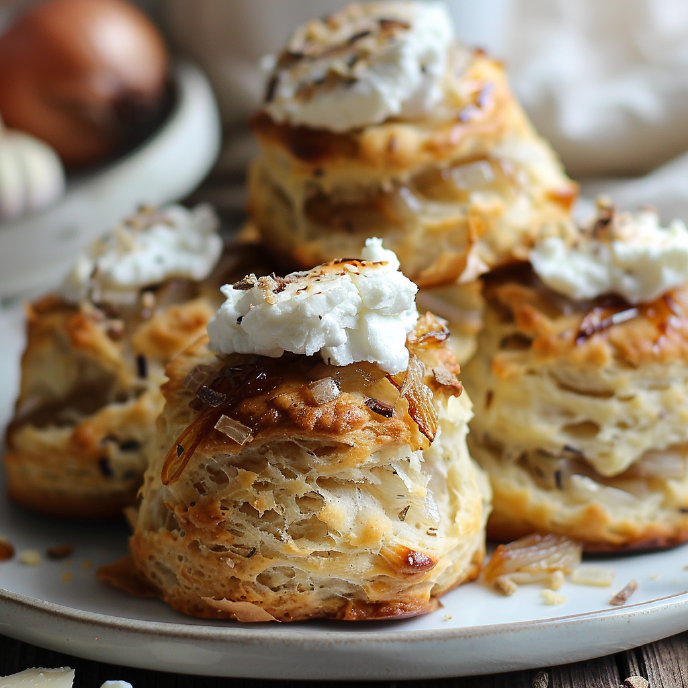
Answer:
(664, 663)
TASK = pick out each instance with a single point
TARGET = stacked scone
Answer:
(311, 456)
(376, 121)
(94, 362)
(580, 387)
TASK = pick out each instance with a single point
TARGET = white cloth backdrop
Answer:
(606, 81)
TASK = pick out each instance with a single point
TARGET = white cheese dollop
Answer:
(49, 678)
(348, 311)
(149, 248)
(366, 63)
(632, 256)
(39, 678)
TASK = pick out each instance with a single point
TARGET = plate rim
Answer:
(253, 632)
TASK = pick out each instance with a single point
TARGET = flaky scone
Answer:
(376, 122)
(89, 398)
(289, 487)
(581, 421)
(95, 357)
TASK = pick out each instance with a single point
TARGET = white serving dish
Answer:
(37, 250)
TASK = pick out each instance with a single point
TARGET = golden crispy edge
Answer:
(658, 333)
(343, 610)
(164, 335)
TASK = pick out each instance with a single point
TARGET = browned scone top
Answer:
(581, 420)
(483, 110)
(474, 180)
(592, 333)
(310, 506)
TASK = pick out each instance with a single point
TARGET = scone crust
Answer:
(200, 551)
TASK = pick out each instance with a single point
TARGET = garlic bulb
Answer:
(31, 174)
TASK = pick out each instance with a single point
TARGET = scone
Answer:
(580, 383)
(376, 121)
(312, 458)
(94, 362)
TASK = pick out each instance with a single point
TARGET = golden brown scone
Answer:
(84, 423)
(580, 418)
(458, 192)
(89, 398)
(363, 506)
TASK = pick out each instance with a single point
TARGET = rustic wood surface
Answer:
(664, 664)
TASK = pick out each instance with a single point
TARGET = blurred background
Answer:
(605, 82)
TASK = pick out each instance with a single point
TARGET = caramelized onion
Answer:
(473, 175)
(589, 490)
(234, 429)
(595, 576)
(418, 396)
(324, 390)
(622, 596)
(196, 379)
(594, 322)
(663, 463)
(533, 558)
(235, 384)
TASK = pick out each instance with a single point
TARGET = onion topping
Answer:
(665, 463)
(210, 396)
(595, 576)
(195, 379)
(235, 430)
(622, 596)
(593, 322)
(447, 379)
(533, 558)
(234, 384)
(418, 396)
(382, 408)
(324, 390)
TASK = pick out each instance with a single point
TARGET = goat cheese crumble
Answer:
(346, 310)
(366, 63)
(629, 254)
(151, 247)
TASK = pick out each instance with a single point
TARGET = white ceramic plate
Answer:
(37, 250)
(476, 632)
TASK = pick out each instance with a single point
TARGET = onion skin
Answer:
(82, 75)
